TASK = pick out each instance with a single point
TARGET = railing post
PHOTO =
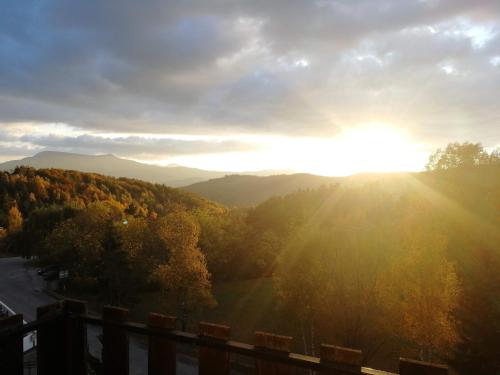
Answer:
(115, 353)
(76, 336)
(281, 345)
(161, 351)
(213, 361)
(412, 367)
(342, 360)
(51, 349)
(11, 347)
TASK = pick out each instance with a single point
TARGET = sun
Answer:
(377, 147)
(373, 147)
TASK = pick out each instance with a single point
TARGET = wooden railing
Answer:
(62, 346)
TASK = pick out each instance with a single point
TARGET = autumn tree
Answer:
(184, 278)
(15, 220)
(38, 226)
(3, 236)
(327, 273)
(142, 242)
(116, 275)
(420, 292)
(465, 154)
(223, 242)
(479, 317)
(77, 243)
(301, 282)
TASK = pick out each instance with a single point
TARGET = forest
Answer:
(404, 265)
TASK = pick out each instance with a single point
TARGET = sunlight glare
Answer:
(364, 148)
(378, 148)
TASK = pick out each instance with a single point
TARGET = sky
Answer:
(327, 87)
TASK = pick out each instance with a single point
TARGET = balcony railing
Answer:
(62, 346)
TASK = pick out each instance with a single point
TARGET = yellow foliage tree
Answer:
(185, 277)
(420, 291)
(3, 235)
(15, 220)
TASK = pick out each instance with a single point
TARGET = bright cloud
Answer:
(194, 81)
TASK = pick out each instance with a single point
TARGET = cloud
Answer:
(214, 67)
(135, 146)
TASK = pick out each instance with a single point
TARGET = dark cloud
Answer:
(135, 146)
(285, 66)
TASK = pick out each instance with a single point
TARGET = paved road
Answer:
(18, 288)
(21, 288)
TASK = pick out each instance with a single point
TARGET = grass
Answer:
(245, 306)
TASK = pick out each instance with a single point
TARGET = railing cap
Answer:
(115, 314)
(48, 309)
(339, 354)
(11, 321)
(411, 366)
(271, 341)
(215, 331)
(75, 306)
(161, 321)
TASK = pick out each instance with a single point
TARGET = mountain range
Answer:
(111, 165)
(233, 190)
(248, 190)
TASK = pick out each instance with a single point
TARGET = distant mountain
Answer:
(111, 165)
(233, 190)
(246, 190)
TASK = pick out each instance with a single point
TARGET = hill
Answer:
(247, 190)
(34, 189)
(111, 165)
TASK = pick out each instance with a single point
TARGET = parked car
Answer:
(51, 275)
(44, 270)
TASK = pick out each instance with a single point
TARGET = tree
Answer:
(184, 278)
(479, 317)
(38, 226)
(144, 247)
(301, 281)
(116, 275)
(465, 154)
(326, 279)
(420, 292)
(15, 220)
(3, 235)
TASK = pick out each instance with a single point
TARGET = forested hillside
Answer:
(404, 265)
(29, 189)
(110, 165)
(114, 235)
(246, 190)
(410, 269)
